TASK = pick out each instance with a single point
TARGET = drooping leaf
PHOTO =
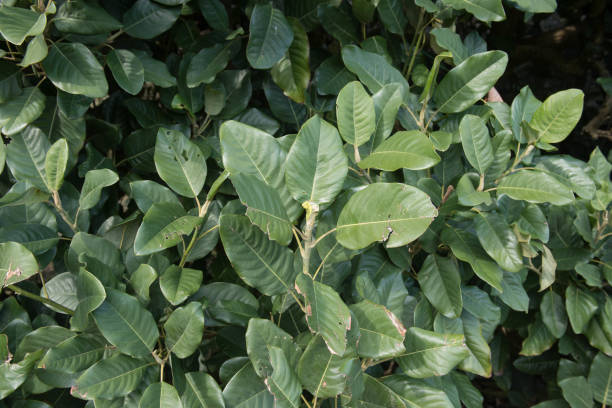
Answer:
(391, 212)
(283, 383)
(292, 72)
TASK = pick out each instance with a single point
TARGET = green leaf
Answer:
(112, 377)
(535, 187)
(283, 383)
(372, 69)
(451, 41)
(581, 307)
(469, 81)
(264, 207)
(83, 17)
(184, 329)
(2, 156)
(355, 114)
(90, 295)
(331, 76)
(533, 222)
(215, 15)
(16, 263)
(147, 19)
(95, 181)
(466, 247)
(381, 332)
(25, 156)
(14, 375)
(261, 263)
(55, 164)
(431, 353)
(18, 112)
(553, 313)
(269, 38)
(74, 69)
(539, 339)
(127, 70)
(537, 6)
(201, 391)
(558, 115)
(338, 23)
(484, 10)
(141, 280)
(479, 361)
(37, 51)
(36, 238)
(147, 192)
(576, 392)
(177, 283)
(326, 313)
(207, 63)
(246, 390)
(391, 212)
(160, 395)
(126, 324)
(18, 23)
(261, 336)
(476, 142)
(392, 16)
(499, 241)
(406, 149)
(321, 372)
(571, 172)
(292, 72)
(514, 294)
(248, 150)
(600, 378)
(320, 180)
(162, 227)
(440, 282)
(74, 354)
(386, 105)
(179, 162)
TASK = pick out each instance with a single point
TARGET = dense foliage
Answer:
(300, 203)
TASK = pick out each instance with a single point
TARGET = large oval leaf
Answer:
(440, 282)
(409, 150)
(476, 142)
(355, 114)
(269, 38)
(499, 241)
(558, 115)
(600, 378)
(469, 81)
(160, 395)
(126, 324)
(320, 180)
(261, 263)
(16, 263)
(18, 112)
(201, 391)
(26, 157)
(75, 354)
(391, 212)
(127, 70)
(535, 187)
(147, 19)
(83, 17)
(292, 72)
(17, 23)
(261, 336)
(74, 69)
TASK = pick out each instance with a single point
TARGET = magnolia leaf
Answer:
(476, 142)
(535, 187)
(184, 329)
(283, 383)
(160, 395)
(18, 112)
(355, 113)
(83, 17)
(499, 241)
(55, 164)
(245, 389)
(261, 336)
(381, 332)
(95, 181)
(147, 19)
(74, 354)
(409, 150)
(558, 115)
(484, 10)
(440, 282)
(600, 378)
(18, 23)
(553, 313)
(206, 64)
(177, 283)
(269, 38)
(581, 307)
(127, 70)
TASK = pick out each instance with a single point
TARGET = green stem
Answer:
(311, 215)
(41, 299)
(216, 185)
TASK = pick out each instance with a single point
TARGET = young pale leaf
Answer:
(320, 180)
(261, 336)
(476, 142)
(261, 263)
(184, 329)
(283, 383)
(270, 36)
(326, 313)
(112, 377)
(16, 263)
(18, 112)
(177, 283)
(381, 332)
(431, 353)
(372, 69)
(292, 72)
(581, 306)
(160, 395)
(553, 313)
(558, 115)
(469, 81)
(162, 227)
(201, 391)
(391, 212)
(126, 324)
(355, 113)
(600, 378)
(264, 207)
(127, 70)
(37, 51)
(179, 162)
(83, 17)
(440, 282)
(535, 187)
(409, 150)
(147, 19)
(321, 372)
(17, 23)
(73, 68)
(484, 10)
(499, 241)
(95, 181)
(55, 164)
